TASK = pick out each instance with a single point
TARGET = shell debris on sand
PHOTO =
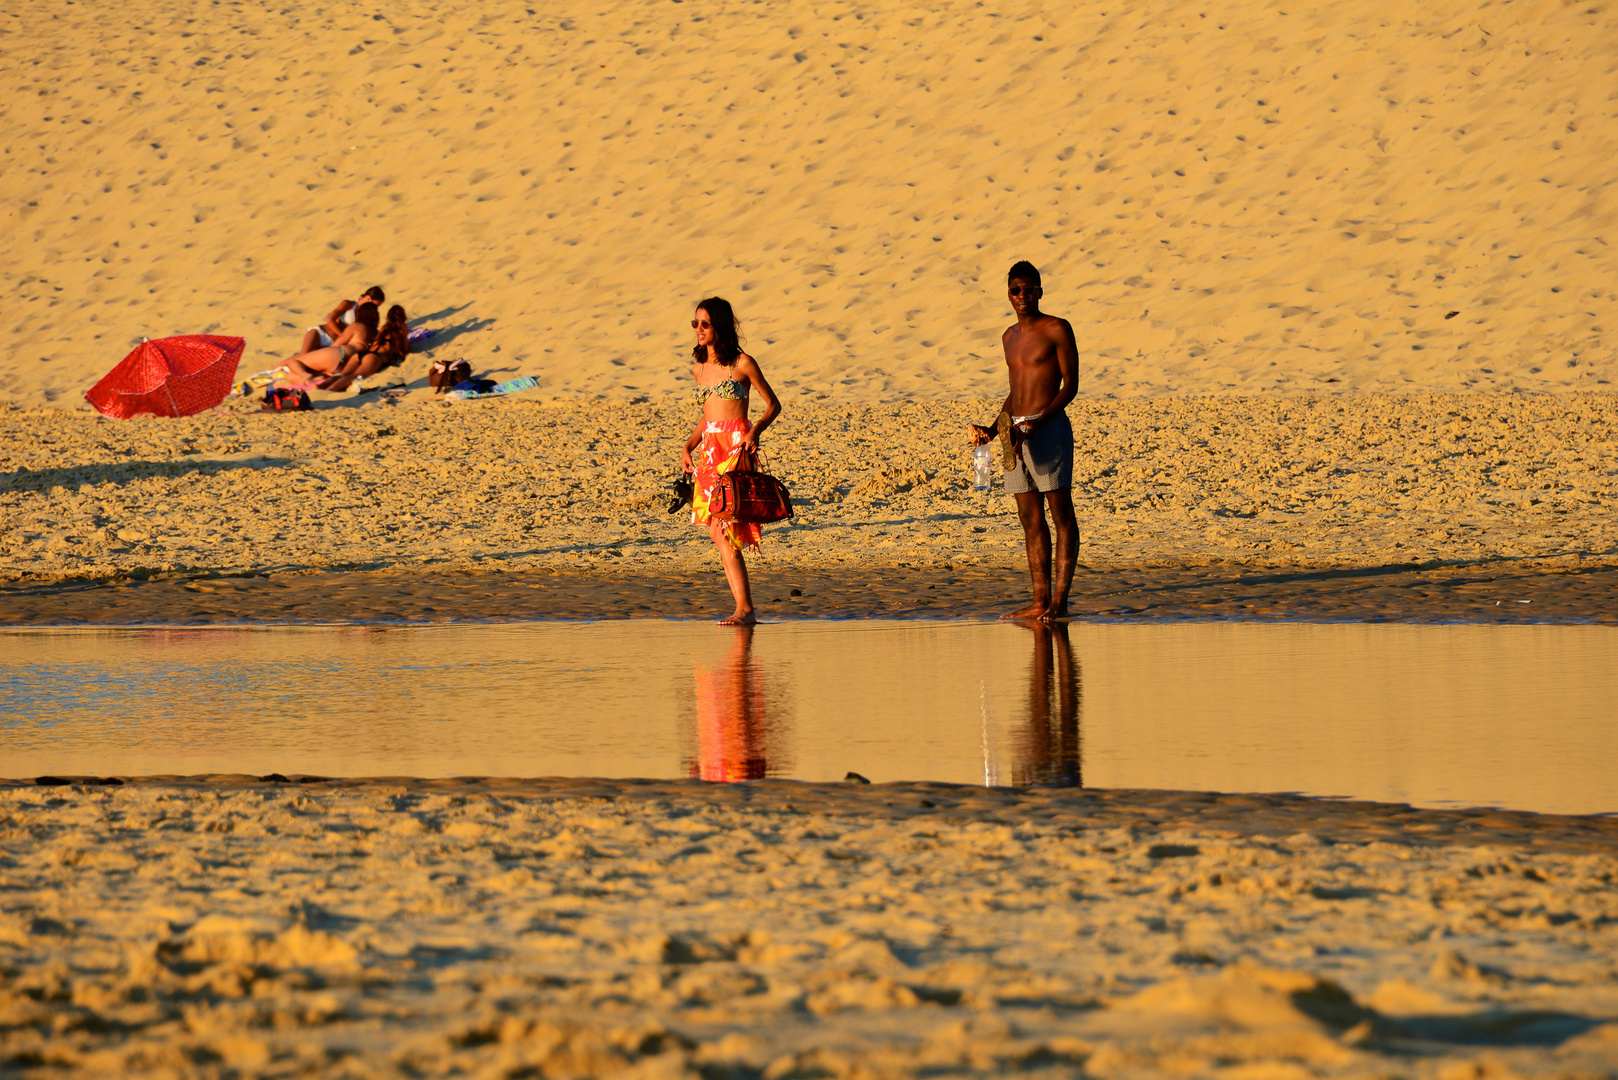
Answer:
(597, 928)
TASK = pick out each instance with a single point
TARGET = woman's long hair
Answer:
(726, 342)
(365, 315)
(394, 337)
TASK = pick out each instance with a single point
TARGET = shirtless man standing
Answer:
(1043, 364)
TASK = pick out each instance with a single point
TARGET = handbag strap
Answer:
(752, 460)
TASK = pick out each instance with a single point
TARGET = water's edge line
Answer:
(877, 617)
(845, 793)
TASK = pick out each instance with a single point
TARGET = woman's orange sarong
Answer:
(721, 443)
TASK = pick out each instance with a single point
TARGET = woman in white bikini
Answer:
(342, 316)
(725, 377)
(354, 341)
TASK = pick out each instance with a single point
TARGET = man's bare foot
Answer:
(1055, 612)
(741, 618)
(1035, 610)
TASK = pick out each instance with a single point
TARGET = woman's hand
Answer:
(685, 460)
(750, 441)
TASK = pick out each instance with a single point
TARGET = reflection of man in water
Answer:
(1043, 364)
(731, 725)
(1050, 754)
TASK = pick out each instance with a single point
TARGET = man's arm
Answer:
(980, 433)
(1067, 358)
(332, 326)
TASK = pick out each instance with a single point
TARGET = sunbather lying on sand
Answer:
(351, 344)
(341, 318)
(392, 345)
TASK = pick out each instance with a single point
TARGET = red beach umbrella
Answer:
(175, 376)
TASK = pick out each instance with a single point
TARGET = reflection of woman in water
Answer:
(725, 377)
(1051, 752)
(731, 723)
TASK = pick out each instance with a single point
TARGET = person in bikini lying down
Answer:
(391, 346)
(725, 378)
(341, 318)
(351, 344)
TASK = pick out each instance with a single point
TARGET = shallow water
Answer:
(1515, 716)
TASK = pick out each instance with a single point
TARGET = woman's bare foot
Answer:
(1035, 610)
(740, 618)
(1055, 613)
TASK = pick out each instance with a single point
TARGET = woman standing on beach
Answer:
(725, 377)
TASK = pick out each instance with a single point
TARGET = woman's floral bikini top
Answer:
(729, 390)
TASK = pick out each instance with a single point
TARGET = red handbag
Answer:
(748, 496)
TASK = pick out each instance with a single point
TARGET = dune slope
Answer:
(1223, 195)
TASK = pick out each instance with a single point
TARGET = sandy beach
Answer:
(1223, 197)
(223, 926)
(1474, 486)
(1336, 279)
(1340, 279)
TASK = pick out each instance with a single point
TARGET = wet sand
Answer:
(1501, 592)
(199, 926)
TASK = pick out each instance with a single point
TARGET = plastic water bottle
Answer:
(982, 467)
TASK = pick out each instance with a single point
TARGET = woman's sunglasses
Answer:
(695, 323)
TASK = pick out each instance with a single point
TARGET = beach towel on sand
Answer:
(263, 379)
(476, 388)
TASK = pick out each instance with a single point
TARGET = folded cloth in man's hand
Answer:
(1009, 438)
